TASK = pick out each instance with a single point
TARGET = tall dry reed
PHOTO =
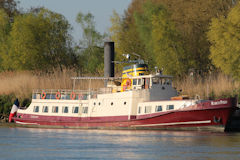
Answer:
(212, 86)
(23, 83)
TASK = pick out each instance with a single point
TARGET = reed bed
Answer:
(212, 86)
(22, 83)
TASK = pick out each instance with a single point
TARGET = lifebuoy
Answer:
(73, 95)
(43, 95)
(58, 95)
(128, 83)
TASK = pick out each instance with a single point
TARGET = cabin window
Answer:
(125, 103)
(148, 109)
(55, 109)
(65, 109)
(155, 80)
(158, 108)
(139, 110)
(111, 103)
(36, 109)
(99, 103)
(75, 109)
(45, 109)
(170, 107)
(85, 110)
(134, 81)
(168, 82)
(139, 82)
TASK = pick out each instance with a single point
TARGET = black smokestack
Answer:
(108, 60)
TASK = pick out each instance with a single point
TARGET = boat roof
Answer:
(118, 78)
(96, 78)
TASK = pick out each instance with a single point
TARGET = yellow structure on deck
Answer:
(132, 71)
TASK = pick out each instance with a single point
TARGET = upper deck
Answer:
(156, 84)
(64, 94)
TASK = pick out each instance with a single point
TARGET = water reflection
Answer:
(27, 143)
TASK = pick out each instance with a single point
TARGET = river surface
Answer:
(66, 144)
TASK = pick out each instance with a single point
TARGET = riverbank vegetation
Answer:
(21, 84)
(195, 41)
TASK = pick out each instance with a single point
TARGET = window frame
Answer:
(139, 110)
(73, 109)
(63, 109)
(55, 109)
(168, 107)
(148, 109)
(34, 109)
(157, 108)
(45, 109)
(85, 110)
(134, 82)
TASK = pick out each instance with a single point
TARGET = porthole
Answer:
(111, 103)
(99, 103)
(125, 103)
(94, 103)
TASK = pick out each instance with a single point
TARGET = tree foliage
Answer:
(91, 46)
(191, 19)
(224, 36)
(39, 40)
(9, 6)
(125, 35)
(5, 28)
(161, 39)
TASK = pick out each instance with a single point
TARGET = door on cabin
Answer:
(146, 83)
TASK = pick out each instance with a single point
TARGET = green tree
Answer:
(125, 35)
(191, 19)
(9, 6)
(91, 46)
(4, 33)
(162, 41)
(39, 40)
(224, 36)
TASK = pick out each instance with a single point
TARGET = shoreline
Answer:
(7, 125)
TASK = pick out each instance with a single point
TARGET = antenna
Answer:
(128, 56)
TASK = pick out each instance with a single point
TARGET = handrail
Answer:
(65, 94)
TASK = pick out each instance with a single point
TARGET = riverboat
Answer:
(138, 101)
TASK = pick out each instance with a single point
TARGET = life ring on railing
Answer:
(73, 95)
(128, 83)
(43, 95)
(58, 95)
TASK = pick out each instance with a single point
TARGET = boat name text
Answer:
(34, 116)
(218, 102)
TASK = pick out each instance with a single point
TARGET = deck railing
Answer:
(65, 94)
